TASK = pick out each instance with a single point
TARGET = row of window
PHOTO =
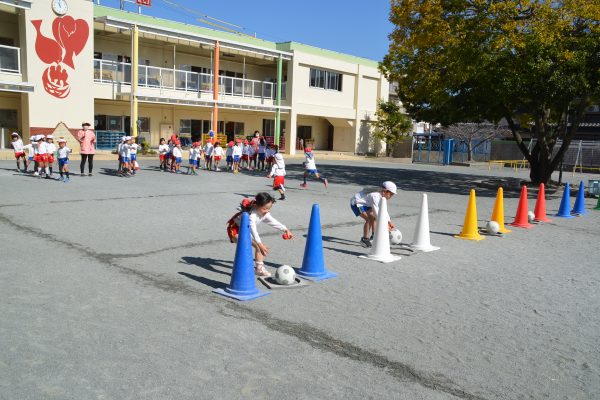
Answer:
(325, 79)
(120, 123)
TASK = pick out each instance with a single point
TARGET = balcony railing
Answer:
(106, 71)
(10, 59)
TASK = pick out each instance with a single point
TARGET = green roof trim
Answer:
(317, 51)
(103, 11)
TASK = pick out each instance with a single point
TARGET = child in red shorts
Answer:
(278, 172)
(259, 211)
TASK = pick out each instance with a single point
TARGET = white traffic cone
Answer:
(421, 240)
(381, 243)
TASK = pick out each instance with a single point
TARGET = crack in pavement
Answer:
(310, 335)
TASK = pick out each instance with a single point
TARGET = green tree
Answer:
(535, 63)
(391, 124)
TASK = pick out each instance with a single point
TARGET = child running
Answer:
(310, 168)
(278, 172)
(365, 204)
(17, 145)
(63, 160)
(259, 211)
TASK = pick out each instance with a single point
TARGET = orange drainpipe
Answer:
(215, 116)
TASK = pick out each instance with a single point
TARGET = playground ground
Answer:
(106, 292)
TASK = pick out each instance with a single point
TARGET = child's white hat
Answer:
(389, 186)
(123, 138)
(14, 134)
(62, 140)
(128, 138)
(49, 137)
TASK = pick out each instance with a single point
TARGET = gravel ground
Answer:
(107, 286)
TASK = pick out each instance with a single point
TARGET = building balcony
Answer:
(178, 83)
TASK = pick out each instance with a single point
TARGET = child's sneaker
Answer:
(365, 242)
(67, 180)
(282, 197)
(260, 270)
(303, 185)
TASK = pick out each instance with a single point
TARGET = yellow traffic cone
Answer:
(470, 230)
(498, 214)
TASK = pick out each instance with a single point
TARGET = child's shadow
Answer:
(207, 263)
(208, 282)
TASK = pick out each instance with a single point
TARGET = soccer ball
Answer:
(530, 216)
(285, 275)
(395, 236)
(492, 227)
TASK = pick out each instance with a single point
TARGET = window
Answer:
(109, 122)
(194, 126)
(269, 127)
(144, 124)
(325, 79)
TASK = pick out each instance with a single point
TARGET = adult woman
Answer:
(87, 141)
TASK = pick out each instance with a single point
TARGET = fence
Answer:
(433, 149)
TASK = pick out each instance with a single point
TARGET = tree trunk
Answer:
(469, 151)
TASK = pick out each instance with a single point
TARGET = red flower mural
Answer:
(70, 37)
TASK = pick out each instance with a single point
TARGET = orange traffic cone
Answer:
(522, 217)
(540, 205)
(470, 230)
(498, 213)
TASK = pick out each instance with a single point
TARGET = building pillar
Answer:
(133, 126)
(215, 111)
(292, 130)
(278, 100)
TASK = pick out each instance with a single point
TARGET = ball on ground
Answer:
(285, 275)
(530, 216)
(395, 236)
(492, 227)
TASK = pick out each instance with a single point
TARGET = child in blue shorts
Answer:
(63, 160)
(365, 204)
(310, 168)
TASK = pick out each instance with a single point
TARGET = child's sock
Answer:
(50, 170)
(61, 173)
(67, 174)
(47, 171)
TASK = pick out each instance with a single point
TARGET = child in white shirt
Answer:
(245, 163)
(30, 153)
(193, 161)
(51, 149)
(365, 204)
(259, 211)
(262, 148)
(63, 160)
(208, 150)
(17, 145)
(163, 150)
(278, 172)
(217, 155)
(237, 155)
(178, 154)
(310, 168)
(125, 153)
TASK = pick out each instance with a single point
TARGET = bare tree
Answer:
(474, 134)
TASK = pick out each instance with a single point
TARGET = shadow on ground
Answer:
(405, 179)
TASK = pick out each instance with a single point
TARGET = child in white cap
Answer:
(51, 148)
(17, 145)
(30, 152)
(125, 153)
(63, 160)
(365, 204)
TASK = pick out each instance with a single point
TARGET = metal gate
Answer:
(435, 150)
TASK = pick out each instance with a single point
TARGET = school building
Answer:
(67, 61)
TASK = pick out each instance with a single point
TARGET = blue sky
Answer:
(355, 27)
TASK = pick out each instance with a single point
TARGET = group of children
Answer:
(42, 152)
(127, 154)
(364, 204)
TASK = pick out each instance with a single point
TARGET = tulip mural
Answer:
(70, 37)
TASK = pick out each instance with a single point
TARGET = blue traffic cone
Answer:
(313, 264)
(579, 206)
(243, 283)
(565, 203)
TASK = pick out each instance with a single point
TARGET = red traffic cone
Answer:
(522, 218)
(540, 205)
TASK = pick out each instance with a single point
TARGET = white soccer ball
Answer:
(492, 227)
(285, 275)
(530, 216)
(395, 236)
